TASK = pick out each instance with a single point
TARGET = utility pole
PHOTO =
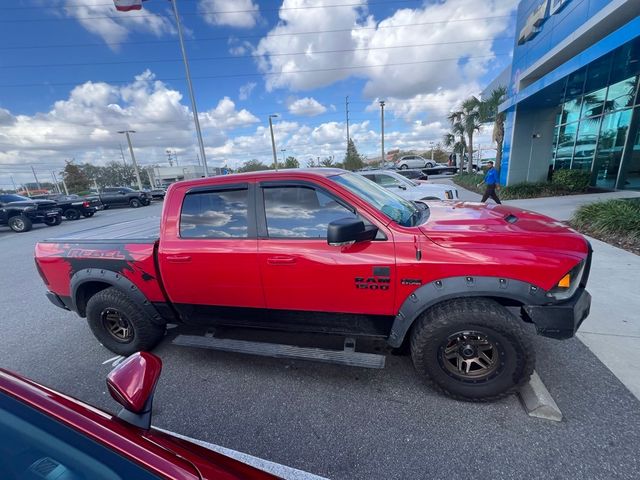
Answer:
(35, 176)
(346, 104)
(122, 153)
(64, 185)
(133, 157)
(55, 182)
(382, 129)
(432, 145)
(196, 121)
(150, 179)
(273, 141)
(15, 189)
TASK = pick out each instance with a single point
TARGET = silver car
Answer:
(414, 161)
(408, 189)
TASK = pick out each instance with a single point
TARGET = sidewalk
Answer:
(612, 330)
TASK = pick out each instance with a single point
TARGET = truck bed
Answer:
(146, 230)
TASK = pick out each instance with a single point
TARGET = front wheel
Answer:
(429, 165)
(20, 224)
(404, 166)
(120, 324)
(472, 349)
(53, 221)
(134, 203)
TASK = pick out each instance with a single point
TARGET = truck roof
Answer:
(264, 175)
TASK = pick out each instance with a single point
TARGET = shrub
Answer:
(621, 217)
(525, 190)
(571, 180)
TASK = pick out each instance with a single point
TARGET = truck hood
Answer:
(34, 203)
(477, 225)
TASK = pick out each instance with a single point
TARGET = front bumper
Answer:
(560, 320)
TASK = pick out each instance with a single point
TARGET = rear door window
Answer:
(215, 214)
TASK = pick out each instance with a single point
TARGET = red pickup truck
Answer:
(325, 253)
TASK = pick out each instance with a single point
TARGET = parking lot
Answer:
(333, 421)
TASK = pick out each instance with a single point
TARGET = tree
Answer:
(252, 166)
(311, 163)
(489, 112)
(352, 159)
(471, 123)
(327, 162)
(455, 138)
(291, 162)
(75, 179)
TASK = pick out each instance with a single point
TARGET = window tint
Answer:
(33, 445)
(221, 214)
(301, 212)
(386, 180)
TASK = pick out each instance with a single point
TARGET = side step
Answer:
(348, 356)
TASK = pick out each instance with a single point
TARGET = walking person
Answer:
(491, 182)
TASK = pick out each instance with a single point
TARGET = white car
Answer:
(408, 189)
(414, 161)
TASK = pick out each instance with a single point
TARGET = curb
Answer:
(537, 400)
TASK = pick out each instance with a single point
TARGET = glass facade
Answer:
(598, 121)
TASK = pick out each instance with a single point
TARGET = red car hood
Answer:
(460, 224)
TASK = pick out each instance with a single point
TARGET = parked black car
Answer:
(20, 213)
(74, 206)
(413, 174)
(124, 196)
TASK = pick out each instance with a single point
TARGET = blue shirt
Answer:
(492, 177)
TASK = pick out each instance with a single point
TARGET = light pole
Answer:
(133, 157)
(382, 130)
(283, 150)
(196, 121)
(533, 137)
(432, 145)
(273, 142)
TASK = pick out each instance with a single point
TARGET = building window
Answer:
(613, 134)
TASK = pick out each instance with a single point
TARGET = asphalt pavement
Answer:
(337, 422)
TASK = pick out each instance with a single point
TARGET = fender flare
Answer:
(456, 287)
(118, 281)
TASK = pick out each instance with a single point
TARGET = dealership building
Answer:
(572, 99)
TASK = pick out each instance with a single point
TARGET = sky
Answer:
(75, 72)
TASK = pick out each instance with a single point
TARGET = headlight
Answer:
(568, 284)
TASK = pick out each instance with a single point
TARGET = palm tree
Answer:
(489, 112)
(457, 129)
(470, 120)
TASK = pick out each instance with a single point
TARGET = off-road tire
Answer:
(20, 224)
(146, 334)
(135, 203)
(513, 346)
(53, 221)
(72, 214)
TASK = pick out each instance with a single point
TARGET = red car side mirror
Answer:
(132, 384)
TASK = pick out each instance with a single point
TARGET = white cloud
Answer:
(246, 90)
(102, 19)
(468, 23)
(243, 13)
(306, 107)
(225, 116)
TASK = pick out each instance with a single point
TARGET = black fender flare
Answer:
(116, 280)
(456, 287)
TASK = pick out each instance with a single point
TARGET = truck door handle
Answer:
(178, 258)
(281, 260)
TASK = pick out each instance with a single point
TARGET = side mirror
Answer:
(132, 384)
(345, 231)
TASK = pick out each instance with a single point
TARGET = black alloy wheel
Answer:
(117, 325)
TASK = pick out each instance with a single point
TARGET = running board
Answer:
(348, 356)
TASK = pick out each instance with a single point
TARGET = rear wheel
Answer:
(20, 224)
(53, 221)
(134, 203)
(72, 214)
(88, 214)
(472, 349)
(120, 324)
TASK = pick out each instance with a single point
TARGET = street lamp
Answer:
(432, 145)
(133, 157)
(283, 150)
(273, 142)
(171, 153)
(382, 130)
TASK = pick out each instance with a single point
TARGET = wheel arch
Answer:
(86, 283)
(508, 292)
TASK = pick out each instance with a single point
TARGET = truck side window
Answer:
(300, 212)
(218, 214)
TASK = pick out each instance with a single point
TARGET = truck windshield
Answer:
(391, 205)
